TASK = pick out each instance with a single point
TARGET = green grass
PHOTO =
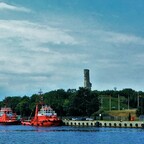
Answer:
(114, 103)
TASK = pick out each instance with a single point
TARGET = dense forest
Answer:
(81, 102)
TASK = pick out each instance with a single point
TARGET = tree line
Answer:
(72, 102)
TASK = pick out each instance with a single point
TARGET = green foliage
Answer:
(11, 102)
(23, 107)
(82, 102)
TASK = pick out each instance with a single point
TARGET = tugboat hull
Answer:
(42, 123)
(11, 123)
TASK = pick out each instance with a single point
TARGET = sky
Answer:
(46, 44)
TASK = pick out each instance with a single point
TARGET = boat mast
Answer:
(41, 97)
(40, 102)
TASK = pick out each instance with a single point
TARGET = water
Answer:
(69, 135)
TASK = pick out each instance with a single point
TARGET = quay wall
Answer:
(98, 123)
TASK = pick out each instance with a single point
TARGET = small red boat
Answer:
(46, 116)
(7, 117)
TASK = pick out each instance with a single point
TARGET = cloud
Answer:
(112, 37)
(19, 39)
(22, 43)
(5, 6)
(122, 38)
(38, 33)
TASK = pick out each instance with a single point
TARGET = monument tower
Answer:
(87, 83)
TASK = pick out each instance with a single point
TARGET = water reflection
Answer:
(65, 129)
(47, 129)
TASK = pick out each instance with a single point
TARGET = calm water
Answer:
(69, 135)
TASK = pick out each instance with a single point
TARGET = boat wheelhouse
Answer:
(47, 111)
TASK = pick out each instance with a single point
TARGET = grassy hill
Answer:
(123, 113)
(105, 103)
(113, 110)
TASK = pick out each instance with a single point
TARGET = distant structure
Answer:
(87, 83)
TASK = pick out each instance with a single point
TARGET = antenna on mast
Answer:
(41, 96)
(40, 92)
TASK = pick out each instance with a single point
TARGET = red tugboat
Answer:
(46, 117)
(7, 117)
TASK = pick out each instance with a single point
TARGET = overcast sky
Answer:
(46, 44)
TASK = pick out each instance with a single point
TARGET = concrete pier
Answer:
(98, 123)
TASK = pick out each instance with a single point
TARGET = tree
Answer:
(11, 102)
(84, 103)
(130, 95)
(23, 107)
